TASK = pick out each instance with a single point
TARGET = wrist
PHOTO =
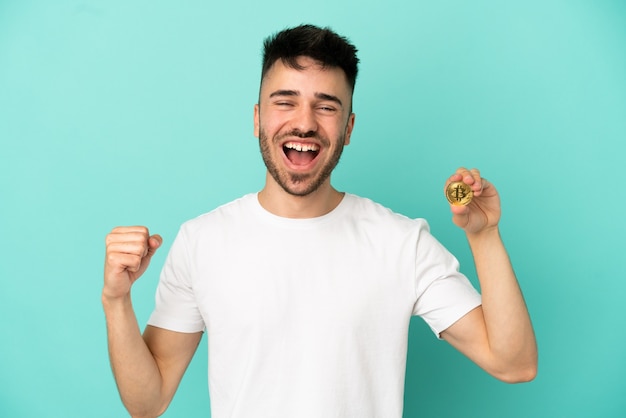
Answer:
(111, 303)
(484, 235)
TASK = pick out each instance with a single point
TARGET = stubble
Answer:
(292, 182)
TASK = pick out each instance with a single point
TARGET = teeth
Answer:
(301, 147)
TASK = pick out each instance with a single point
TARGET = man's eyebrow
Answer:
(285, 93)
(329, 97)
(320, 96)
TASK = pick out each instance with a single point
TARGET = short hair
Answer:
(321, 44)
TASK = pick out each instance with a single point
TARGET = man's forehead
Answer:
(284, 76)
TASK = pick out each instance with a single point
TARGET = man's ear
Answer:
(256, 120)
(349, 128)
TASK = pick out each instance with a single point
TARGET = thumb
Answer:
(154, 242)
(460, 215)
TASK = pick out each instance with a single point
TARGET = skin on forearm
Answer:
(136, 372)
(509, 330)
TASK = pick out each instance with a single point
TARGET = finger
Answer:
(123, 261)
(464, 174)
(139, 248)
(475, 173)
(457, 176)
(128, 234)
(127, 229)
(137, 236)
(461, 174)
(469, 176)
(485, 186)
(472, 178)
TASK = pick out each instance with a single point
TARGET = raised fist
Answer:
(128, 253)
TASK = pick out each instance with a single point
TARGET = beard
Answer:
(299, 184)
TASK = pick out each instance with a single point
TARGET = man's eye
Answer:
(326, 108)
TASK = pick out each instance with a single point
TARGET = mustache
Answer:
(303, 135)
(300, 134)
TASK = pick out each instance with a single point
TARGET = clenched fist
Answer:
(128, 253)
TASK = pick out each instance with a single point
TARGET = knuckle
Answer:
(134, 264)
(111, 258)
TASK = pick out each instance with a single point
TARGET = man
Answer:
(306, 292)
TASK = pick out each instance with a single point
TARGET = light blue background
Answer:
(140, 112)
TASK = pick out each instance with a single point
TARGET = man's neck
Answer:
(278, 202)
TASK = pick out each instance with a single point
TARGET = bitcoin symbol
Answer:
(459, 193)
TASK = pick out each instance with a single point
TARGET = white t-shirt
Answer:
(308, 317)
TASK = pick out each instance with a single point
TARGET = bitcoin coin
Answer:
(459, 193)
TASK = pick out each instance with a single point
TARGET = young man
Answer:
(306, 292)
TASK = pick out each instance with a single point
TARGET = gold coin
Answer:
(459, 193)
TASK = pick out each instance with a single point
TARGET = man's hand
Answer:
(483, 212)
(128, 253)
(147, 369)
(498, 336)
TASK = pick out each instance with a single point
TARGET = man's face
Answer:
(303, 120)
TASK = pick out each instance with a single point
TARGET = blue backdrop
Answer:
(140, 112)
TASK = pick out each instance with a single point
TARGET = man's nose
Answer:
(304, 120)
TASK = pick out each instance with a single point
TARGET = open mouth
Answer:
(300, 154)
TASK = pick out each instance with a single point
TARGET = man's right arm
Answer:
(147, 368)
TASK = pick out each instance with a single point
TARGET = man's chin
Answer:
(299, 191)
(301, 186)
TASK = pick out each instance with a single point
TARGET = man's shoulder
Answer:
(222, 214)
(366, 209)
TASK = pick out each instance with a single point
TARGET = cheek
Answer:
(270, 125)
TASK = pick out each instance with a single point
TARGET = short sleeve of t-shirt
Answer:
(176, 308)
(444, 295)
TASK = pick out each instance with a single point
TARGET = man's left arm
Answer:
(498, 336)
